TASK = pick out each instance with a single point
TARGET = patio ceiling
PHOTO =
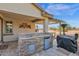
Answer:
(21, 8)
(26, 17)
(17, 16)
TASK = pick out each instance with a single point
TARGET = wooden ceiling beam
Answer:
(36, 20)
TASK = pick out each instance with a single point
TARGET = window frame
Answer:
(7, 33)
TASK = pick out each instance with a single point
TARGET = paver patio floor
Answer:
(12, 50)
(55, 52)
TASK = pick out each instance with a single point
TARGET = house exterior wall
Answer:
(23, 9)
(16, 29)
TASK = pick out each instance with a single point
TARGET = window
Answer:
(9, 27)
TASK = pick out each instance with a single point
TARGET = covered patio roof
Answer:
(46, 14)
(29, 18)
(51, 21)
(17, 16)
(11, 10)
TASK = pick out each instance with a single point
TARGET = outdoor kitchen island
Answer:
(32, 43)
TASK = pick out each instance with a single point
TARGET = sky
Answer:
(69, 12)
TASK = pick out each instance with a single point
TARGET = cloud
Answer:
(59, 7)
(62, 9)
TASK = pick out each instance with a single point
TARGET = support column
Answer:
(60, 28)
(45, 25)
(1, 28)
(2, 44)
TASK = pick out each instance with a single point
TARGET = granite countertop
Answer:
(30, 37)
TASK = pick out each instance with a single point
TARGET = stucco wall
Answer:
(16, 29)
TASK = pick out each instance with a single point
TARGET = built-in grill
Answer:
(68, 42)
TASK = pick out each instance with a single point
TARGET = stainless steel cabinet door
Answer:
(47, 43)
(31, 48)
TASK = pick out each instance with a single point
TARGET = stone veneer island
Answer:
(32, 43)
